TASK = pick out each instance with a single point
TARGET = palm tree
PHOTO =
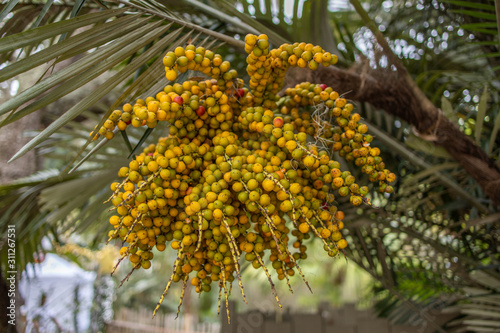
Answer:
(425, 76)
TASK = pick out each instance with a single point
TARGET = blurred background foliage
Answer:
(432, 247)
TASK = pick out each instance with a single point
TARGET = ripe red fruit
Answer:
(178, 100)
(323, 86)
(240, 92)
(200, 111)
(278, 122)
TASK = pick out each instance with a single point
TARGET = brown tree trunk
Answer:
(12, 139)
(13, 136)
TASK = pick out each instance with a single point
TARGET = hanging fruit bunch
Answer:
(244, 175)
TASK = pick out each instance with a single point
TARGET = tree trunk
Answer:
(12, 138)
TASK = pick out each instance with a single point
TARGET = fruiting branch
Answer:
(235, 177)
(395, 95)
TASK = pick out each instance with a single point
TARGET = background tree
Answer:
(425, 74)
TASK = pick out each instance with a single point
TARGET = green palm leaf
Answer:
(37, 35)
(8, 8)
(77, 44)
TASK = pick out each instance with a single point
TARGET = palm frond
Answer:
(479, 307)
(33, 37)
(99, 39)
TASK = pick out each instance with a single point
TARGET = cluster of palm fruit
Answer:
(238, 175)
